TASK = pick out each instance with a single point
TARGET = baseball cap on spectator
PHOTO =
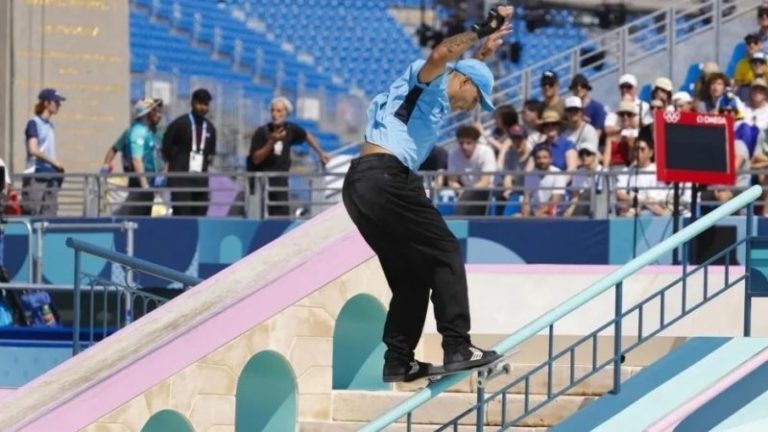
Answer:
(49, 94)
(663, 83)
(580, 81)
(481, 76)
(517, 131)
(590, 146)
(681, 97)
(550, 117)
(628, 79)
(143, 107)
(759, 82)
(549, 77)
(573, 102)
(628, 107)
(758, 57)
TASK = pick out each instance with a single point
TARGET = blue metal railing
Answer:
(126, 294)
(547, 321)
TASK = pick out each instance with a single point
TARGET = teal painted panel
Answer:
(167, 421)
(20, 365)
(358, 352)
(759, 254)
(266, 395)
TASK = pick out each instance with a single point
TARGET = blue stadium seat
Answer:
(739, 51)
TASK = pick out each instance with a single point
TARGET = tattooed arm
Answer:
(454, 47)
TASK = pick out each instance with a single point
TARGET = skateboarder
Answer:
(387, 202)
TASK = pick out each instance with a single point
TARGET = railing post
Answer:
(717, 15)
(671, 36)
(76, 307)
(39, 231)
(623, 50)
(748, 291)
(617, 351)
(480, 416)
(129, 227)
(747, 272)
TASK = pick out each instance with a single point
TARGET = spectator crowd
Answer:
(558, 153)
(553, 156)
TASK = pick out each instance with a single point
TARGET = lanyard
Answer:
(194, 135)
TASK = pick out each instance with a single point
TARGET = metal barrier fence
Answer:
(119, 299)
(276, 195)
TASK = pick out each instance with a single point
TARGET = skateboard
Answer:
(487, 372)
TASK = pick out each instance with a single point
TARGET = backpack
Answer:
(39, 310)
(6, 314)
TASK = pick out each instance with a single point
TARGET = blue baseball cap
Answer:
(479, 73)
(50, 94)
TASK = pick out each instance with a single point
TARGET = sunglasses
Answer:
(585, 153)
(548, 84)
(626, 87)
(626, 114)
(753, 42)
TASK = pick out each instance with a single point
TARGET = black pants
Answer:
(182, 196)
(417, 252)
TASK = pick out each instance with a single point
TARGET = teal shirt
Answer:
(142, 143)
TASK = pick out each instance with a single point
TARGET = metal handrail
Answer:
(548, 319)
(137, 264)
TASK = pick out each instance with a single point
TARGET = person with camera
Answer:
(40, 191)
(271, 152)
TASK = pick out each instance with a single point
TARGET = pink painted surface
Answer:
(671, 420)
(96, 401)
(6, 392)
(584, 269)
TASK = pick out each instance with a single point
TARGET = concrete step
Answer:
(398, 427)
(596, 385)
(363, 406)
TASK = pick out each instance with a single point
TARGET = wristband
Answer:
(491, 24)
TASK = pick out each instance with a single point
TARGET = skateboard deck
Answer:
(491, 370)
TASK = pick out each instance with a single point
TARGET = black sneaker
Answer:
(467, 357)
(405, 372)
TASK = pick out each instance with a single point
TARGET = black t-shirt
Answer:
(294, 135)
(437, 160)
(177, 142)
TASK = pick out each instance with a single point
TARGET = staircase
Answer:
(635, 323)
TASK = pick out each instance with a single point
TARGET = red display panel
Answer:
(694, 148)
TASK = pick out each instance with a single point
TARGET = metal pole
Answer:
(716, 22)
(671, 41)
(129, 227)
(748, 270)
(76, 307)
(617, 340)
(676, 220)
(40, 231)
(480, 420)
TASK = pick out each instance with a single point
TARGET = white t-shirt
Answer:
(757, 116)
(643, 181)
(482, 160)
(584, 134)
(542, 187)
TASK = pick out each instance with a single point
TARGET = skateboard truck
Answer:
(493, 371)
